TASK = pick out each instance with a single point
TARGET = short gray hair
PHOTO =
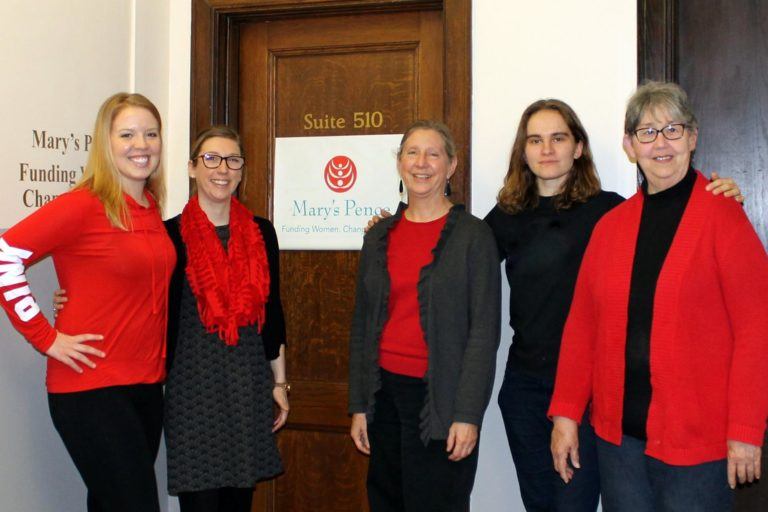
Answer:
(652, 95)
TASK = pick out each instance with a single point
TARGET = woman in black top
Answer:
(546, 210)
(226, 330)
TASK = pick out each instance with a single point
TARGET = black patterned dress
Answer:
(218, 398)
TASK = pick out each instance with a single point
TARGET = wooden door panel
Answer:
(318, 294)
(388, 76)
(292, 69)
(328, 68)
(262, 65)
(320, 479)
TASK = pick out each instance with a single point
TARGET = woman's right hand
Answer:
(743, 463)
(377, 218)
(565, 444)
(72, 349)
(59, 298)
(359, 433)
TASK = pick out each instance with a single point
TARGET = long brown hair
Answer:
(520, 192)
(101, 175)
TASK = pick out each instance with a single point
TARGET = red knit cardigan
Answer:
(709, 336)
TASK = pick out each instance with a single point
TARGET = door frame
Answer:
(657, 40)
(215, 74)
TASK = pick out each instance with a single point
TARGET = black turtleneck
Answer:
(660, 218)
(543, 247)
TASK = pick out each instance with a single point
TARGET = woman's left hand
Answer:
(725, 186)
(462, 438)
(743, 462)
(280, 396)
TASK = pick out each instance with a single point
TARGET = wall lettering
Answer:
(45, 181)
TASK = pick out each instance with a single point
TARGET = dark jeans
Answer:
(524, 401)
(403, 474)
(634, 482)
(112, 435)
(225, 499)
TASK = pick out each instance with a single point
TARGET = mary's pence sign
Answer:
(327, 188)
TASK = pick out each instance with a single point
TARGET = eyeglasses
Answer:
(212, 161)
(672, 131)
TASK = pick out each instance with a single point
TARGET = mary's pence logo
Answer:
(340, 174)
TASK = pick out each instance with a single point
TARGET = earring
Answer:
(401, 187)
(447, 191)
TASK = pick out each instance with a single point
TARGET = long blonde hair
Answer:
(101, 175)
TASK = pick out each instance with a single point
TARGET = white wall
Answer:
(583, 53)
(59, 61)
(162, 58)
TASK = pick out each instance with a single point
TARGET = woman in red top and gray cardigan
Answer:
(424, 337)
(667, 331)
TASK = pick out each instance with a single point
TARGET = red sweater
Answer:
(403, 349)
(116, 281)
(709, 336)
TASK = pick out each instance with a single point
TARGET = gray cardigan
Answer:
(459, 305)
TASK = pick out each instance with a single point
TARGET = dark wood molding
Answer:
(458, 86)
(656, 40)
(215, 60)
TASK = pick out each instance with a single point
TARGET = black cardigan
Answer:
(273, 330)
(459, 296)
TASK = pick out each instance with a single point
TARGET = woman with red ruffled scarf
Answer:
(226, 329)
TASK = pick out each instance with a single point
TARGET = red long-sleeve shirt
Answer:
(709, 334)
(116, 281)
(403, 349)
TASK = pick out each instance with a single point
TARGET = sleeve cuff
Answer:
(43, 345)
(566, 410)
(746, 433)
(472, 419)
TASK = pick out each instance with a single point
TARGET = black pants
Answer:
(112, 435)
(224, 499)
(403, 474)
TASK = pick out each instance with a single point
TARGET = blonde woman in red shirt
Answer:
(106, 351)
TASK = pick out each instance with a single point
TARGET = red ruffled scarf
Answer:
(232, 286)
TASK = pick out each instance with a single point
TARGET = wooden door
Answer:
(718, 51)
(284, 70)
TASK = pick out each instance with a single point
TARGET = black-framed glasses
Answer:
(212, 161)
(672, 131)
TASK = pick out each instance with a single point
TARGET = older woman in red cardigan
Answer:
(668, 331)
